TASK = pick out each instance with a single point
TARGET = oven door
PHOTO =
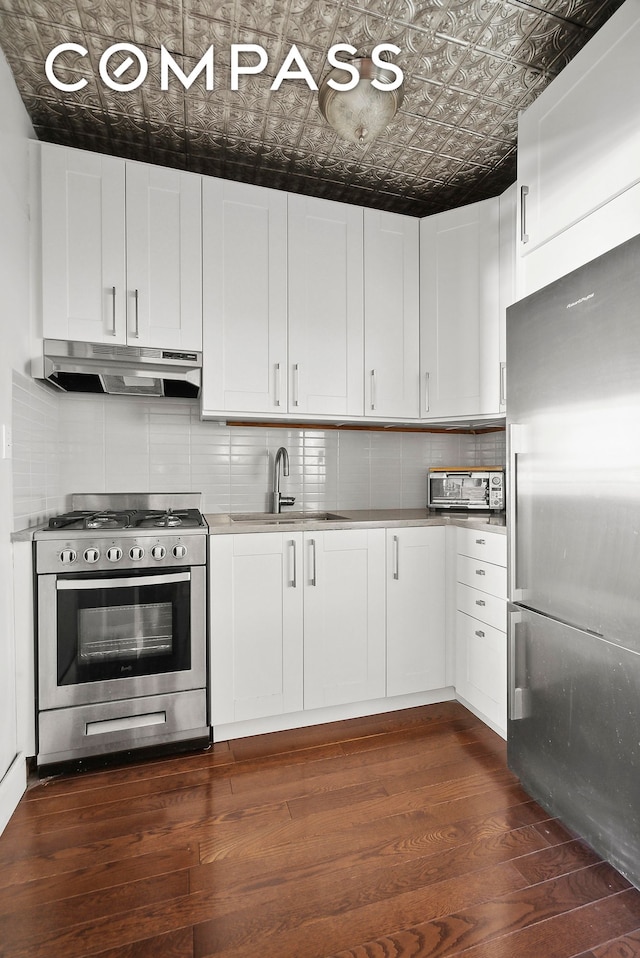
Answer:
(104, 637)
(458, 490)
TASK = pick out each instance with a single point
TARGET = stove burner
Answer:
(107, 520)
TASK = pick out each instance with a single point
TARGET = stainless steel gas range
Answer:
(121, 621)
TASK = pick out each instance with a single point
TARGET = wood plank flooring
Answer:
(393, 836)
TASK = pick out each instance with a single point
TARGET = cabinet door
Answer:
(255, 621)
(164, 258)
(416, 638)
(83, 245)
(344, 616)
(325, 307)
(460, 311)
(391, 315)
(579, 142)
(245, 298)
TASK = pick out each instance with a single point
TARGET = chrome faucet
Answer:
(282, 456)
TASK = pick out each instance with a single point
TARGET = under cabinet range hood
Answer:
(120, 370)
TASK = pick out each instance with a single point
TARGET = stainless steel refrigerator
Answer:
(573, 361)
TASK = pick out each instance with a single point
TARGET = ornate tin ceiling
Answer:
(470, 66)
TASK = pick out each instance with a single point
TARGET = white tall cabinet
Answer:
(416, 635)
(121, 251)
(391, 315)
(325, 307)
(245, 298)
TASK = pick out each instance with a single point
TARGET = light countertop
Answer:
(224, 523)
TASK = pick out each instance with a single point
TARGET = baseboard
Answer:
(12, 788)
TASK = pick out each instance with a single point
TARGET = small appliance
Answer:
(466, 488)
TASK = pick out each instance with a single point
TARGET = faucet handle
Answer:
(287, 500)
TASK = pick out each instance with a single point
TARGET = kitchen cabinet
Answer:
(325, 374)
(481, 623)
(121, 251)
(460, 340)
(416, 639)
(245, 299)
(344, 616)
(578, 144)
(256, 625)
(391, 316)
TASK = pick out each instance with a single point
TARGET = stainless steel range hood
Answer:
(120, 370)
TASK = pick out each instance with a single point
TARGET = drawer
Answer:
(482, 575)
(488, 546)
(481, 605)
(484, 667)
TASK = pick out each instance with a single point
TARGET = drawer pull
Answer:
(480, 572)
(480, 602)
(480, 633)
(481, 542)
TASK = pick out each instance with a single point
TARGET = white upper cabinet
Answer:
(245, 299)
(325, 308)
(460, 311)
(121, 251)
(391, 316)
(83, 246)
(578, 150)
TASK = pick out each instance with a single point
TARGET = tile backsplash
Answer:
(85, 443)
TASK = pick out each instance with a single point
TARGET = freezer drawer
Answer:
(573, 731)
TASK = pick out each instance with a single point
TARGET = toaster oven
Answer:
(467, 489)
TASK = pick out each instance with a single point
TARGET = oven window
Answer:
(116, 631)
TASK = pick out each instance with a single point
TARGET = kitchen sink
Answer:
(284, 518)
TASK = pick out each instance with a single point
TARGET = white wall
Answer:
(15, 129)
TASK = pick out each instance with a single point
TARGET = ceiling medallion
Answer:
(361, 113)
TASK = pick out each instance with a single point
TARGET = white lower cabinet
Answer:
(481, 623)
(344, 620)
(255, 598)
(416, 641)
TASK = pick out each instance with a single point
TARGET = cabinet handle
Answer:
(278, 385)
(524, 192)
(480, 602)
(373, 389)
(481, 542)
(296, 384)
(480, 633)
(136, 328)
(480, 572)
(312, 543)
(396, 557)
(113, 315)
(426, 392)
(294, 563)
(503, 384)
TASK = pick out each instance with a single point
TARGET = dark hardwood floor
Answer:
(394, 836)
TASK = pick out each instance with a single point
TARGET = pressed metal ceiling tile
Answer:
(470, 66)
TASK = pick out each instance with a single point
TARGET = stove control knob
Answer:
(67, 556)
(158, 552)
(179, 551)
(114, 554)
(136, 552)
(91, 555)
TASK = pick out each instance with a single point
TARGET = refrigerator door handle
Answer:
(515, 438)
(519, 697)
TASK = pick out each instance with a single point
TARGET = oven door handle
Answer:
(135, 580)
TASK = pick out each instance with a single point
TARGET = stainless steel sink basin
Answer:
(283, 518)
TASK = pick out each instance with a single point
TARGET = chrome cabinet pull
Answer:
(396, 557)
(480, 572)
(524, 192)
(278, 385)
(312, 543)
(481, 542)
(294, 579)
(113, 318)
(426, 392)
(296, 384)
(503, 384)
(373, 389)
(480, 633)
(480, 602)
(136, 328)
